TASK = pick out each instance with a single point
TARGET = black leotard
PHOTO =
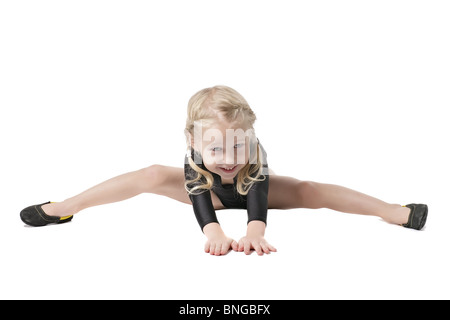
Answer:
(255, 201)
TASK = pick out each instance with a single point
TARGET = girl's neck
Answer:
(227, 181)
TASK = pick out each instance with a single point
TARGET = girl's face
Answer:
(225, 149)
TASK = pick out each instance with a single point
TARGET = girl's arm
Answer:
(218, 243)
(203, 208)
(257, 201)
(257, 206)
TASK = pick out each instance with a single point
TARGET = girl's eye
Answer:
(236, 146)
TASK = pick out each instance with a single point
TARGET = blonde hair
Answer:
(205, 106)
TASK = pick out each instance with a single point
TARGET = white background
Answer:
(346, 92)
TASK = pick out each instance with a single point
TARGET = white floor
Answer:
(132, 250)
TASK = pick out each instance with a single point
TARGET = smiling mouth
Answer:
(228, 170)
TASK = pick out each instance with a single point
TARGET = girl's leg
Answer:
(288, 193)
(157, 179)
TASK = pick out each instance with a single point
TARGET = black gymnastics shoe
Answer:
(417, 217)
(36, 217)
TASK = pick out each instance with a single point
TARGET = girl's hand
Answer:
(219, 245)
(258, 243)
(255, 239)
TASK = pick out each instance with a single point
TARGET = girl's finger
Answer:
(225, 248)
(257, 248)
(234, 245)
(241, 246)
(211, 248)
(218, 249)
(265, 247)
(247, 247)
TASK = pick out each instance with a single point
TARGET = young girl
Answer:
(226, 167)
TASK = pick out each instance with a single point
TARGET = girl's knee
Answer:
(309, 194)
(152, 177)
